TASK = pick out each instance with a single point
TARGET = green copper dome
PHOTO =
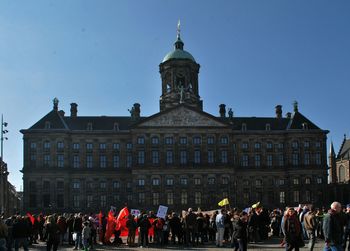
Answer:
(178, 52)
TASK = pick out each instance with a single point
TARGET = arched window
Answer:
(341, 174)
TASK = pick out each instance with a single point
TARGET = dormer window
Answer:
(305, 126)
(116, 127)
(47, 125)
(267, 127)
(244, 127)
(89, 126)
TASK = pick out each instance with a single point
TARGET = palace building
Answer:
(179, 157)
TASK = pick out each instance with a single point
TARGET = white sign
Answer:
(113, 209)
(162, 210)
(135, 212)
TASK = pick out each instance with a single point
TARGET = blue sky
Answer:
(104, 55)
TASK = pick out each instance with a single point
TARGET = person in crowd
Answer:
(3, 234)
(62, 225)
(263, 221)
(158, 230)
(302, 214)
(291, 228)
(52, 233)
(9, 240)
(93, 228)
(144, 225)
(175, 228)
(190, 227)
(166, 231)
(77, 229)
(253, 226)
(86, 235)
(212, 227)
(333, 228)
(220, 226)
(131, 225)
(239, 232)
(310, 225)
(275, 217)
(320, 215)
(21, 233)
(200, 221)
(41, 222)
(346, 237)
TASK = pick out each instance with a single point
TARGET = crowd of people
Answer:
(225, 227)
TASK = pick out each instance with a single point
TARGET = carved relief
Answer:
(182, 117)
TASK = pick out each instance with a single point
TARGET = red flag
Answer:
(121, 221)
(32, 219)
(110, 227)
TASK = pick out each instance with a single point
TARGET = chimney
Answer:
(278, 111)
(289, 115)
(137, 110)
(222, 110)
(61, 112)
(73, 110)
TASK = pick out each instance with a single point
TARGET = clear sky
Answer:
(104, 55)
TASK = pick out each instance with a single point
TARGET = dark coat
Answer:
(239, 230)
(333, 228)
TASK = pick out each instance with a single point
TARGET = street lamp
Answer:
(3, 132)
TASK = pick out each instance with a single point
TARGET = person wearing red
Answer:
(292, 230)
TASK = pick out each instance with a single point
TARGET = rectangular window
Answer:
(141, 199)
(89, 146)
(128, 160)
(225, 180)
(318, 159)
(269, 160)
(296, 196)
(76, 161)
(257, 146)
(116, 198)
(116, 184)
(103, 161)
(245, 160)
(141, 157)
(169, 181)
(245, 145)
(308, 196)
(155, 140)
(33, 145)
(197, 157)
(169, 157)
(183, 181)
(317, 144)
(103, 184)
(155, 198)
(295, 159)
(169, 140)
(306, 144)
(170, 198)
(76, 185)
(319, 180)
(197, 181)
(116, 146)
(89, 200)
(155, 182)
(60, 200)
(306, 159)
(197, 140)
(211, 180)
(224, 140)
(295, 145)
(76, 201)
(155, 157)
(280, 160)
(46, 200)
(60, 145)
(32, 200)
(224, 157)
(47, 145)
(197, 198)
(141, 140)
(282, 197)
(76, 146)
(129, 146)
(210, 140)
(183, 198)
(141, 182)
(295, 181)
(183, 157)
(60, 160)
(88, 161)
(116, 161)
(257, 160)
(103, 200)
(183, 140)
(210, 156)
(47, 159)
(60, 185)
(102, 146)
(281, 182)
(246, 197)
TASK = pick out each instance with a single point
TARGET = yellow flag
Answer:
(223, 202)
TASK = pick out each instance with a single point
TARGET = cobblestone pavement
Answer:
(270, 245)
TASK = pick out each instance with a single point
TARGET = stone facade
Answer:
(9, 198)
(180, 157)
